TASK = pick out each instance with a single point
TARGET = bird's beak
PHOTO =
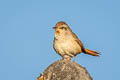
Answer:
(54, 27)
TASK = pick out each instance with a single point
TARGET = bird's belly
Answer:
(69, 47)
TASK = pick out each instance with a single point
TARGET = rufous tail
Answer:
(91, 52)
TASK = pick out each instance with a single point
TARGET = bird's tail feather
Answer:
(91, 52)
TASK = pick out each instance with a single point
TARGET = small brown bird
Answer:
(67, 44)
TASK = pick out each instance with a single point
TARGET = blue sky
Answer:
(26, 36)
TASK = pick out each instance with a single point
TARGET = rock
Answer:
(65, 70)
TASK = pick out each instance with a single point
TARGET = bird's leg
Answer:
(66, 57)
(74, 58)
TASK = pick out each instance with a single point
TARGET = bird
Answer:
(67, 44)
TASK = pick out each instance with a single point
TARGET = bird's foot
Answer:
(66, 58)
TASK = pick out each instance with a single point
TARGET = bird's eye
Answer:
(63, 28)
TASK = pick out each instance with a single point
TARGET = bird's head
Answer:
(62, 29)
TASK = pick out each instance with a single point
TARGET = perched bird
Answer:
(67, 44)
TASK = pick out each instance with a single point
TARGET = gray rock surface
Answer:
(65, 70)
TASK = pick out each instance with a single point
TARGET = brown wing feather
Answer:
(79, 42)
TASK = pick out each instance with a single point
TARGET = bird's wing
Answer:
(79, 42)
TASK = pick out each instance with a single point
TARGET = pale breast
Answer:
(67, 47)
